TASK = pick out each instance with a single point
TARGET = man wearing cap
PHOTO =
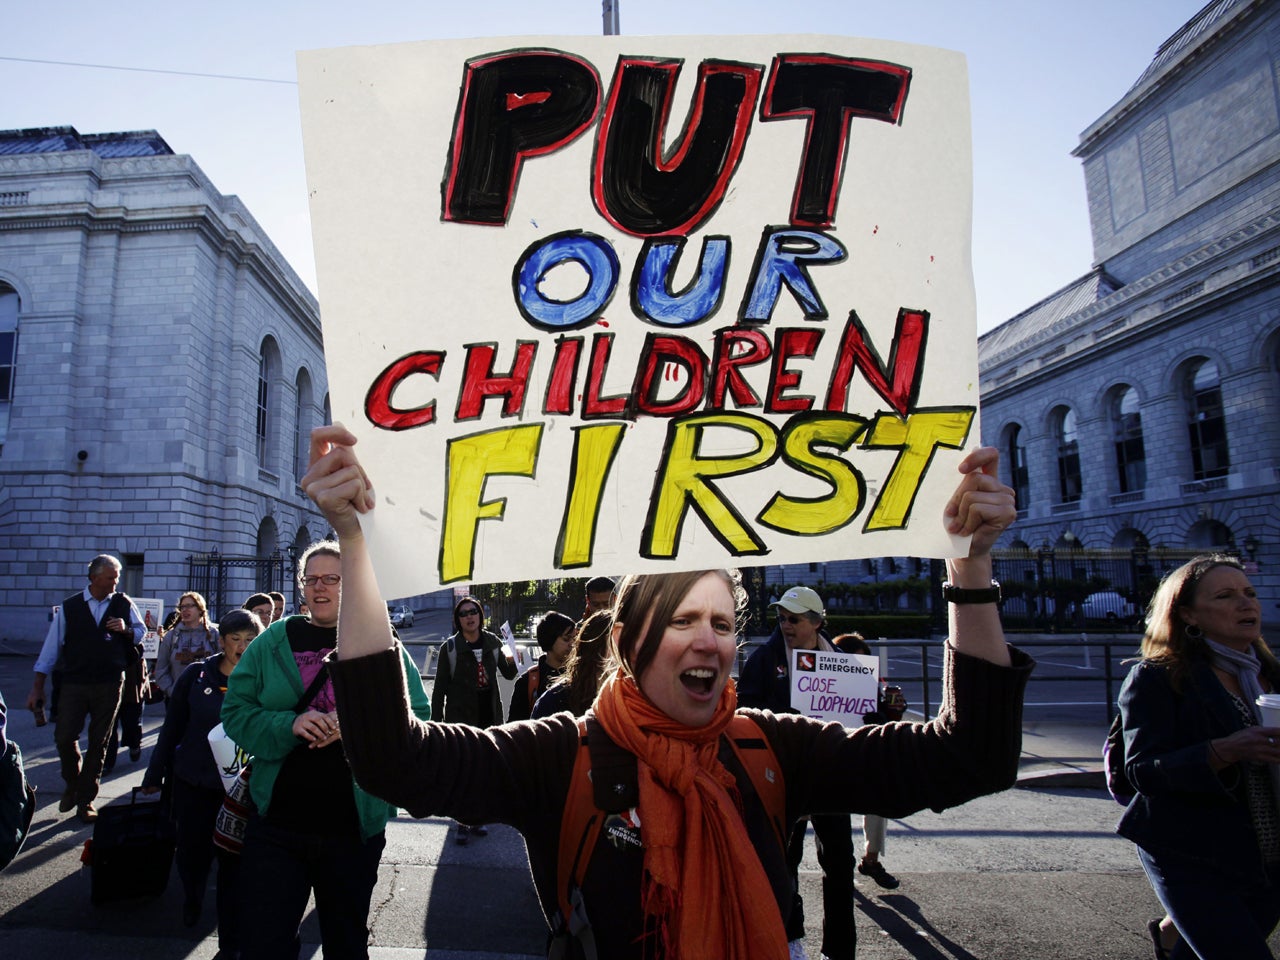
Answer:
(765, 683)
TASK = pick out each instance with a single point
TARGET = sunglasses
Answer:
(469, 613)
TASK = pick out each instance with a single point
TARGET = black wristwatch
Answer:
(954, 594)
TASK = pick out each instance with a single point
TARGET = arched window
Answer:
(1206, 424)
(1209, 534)
(8, 354)
(265, 420)
(302, 417)
(267, 543)
(1126, 429)
(1016, 457)
(1069, 482)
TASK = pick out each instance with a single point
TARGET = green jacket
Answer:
(258, 715)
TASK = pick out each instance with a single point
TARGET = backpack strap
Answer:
(584, 815)
(579, 830)
(755, 753)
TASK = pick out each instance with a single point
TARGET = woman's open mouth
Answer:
(699, 681)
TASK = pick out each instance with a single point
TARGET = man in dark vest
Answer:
(95, 634)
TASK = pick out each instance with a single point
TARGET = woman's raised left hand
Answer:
(982, 507)
(336, 481)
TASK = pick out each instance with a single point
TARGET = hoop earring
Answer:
(1197, 635)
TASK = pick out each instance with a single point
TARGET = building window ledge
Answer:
(1204, 486)
(1133, 496)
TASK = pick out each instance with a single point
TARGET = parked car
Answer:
(1029, 607)
(400, 614)
(1107, 605)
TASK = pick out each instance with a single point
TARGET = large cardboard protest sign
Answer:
(611, 304)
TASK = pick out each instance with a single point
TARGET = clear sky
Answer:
(1040, 72)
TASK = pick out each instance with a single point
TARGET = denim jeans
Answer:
(279, 870)
(1219, 918)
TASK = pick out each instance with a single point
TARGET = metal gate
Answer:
(1046, 588)
(226, 581)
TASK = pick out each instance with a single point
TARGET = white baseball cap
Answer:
(800, 600)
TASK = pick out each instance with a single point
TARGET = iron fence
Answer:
(1102, 665)
(225, 580)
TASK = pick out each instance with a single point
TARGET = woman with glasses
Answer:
(193, 639)
(689, 862)
(1205, 764)
(183, 760)
(314, 829)
(466, 684)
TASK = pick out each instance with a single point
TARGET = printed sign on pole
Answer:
(152, 611)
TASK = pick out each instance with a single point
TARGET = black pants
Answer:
(833, 836)
(195, 808)
(126, 732)
(279, 870)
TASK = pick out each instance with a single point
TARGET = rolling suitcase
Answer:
(132, 849)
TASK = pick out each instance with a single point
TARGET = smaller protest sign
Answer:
(152, 611)
(834, 686)
(509, 638)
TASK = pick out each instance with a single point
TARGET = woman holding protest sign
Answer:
(691, 862)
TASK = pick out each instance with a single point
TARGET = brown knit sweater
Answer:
(518, 773)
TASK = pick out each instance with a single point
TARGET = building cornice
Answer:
(1182, 285)
(209, 223)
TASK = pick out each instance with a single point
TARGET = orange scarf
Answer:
(703, 881)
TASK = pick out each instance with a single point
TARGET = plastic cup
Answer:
(1269, 704)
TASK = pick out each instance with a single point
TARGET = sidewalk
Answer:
(1032, 872)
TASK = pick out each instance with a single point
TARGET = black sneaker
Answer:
(876, 871)
(462, 838)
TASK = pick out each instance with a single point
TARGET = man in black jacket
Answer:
(94, 636)
(765, 683)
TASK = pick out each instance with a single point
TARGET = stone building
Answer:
(1137, 407)
(160, 368)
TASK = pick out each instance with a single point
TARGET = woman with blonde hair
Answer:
(1204, 764)
(193, 638)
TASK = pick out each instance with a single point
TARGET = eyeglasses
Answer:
(329, 580)
(473, 612)
(791, 618)
(188, 606)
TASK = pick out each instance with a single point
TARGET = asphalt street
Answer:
(1032, 872)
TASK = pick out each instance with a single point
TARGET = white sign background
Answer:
(835, 686)
(396, 278)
